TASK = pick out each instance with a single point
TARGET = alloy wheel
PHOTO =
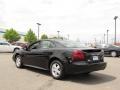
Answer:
(113, 54)
(56, 71)
(18, 62)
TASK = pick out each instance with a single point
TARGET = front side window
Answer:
(35, 46)
(41, 45)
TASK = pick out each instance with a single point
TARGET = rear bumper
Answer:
(75, 68)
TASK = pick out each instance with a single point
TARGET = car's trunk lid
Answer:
(92, 55)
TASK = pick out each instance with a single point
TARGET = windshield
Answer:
(72, 44)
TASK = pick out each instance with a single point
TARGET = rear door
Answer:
(46, 50)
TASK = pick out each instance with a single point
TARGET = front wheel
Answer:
(114, 54)
(57, 69)
(18, 61)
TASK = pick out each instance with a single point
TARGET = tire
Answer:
(57, 69)
(18, 61)
(16, 49)
(114, 54)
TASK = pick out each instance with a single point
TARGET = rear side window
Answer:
(72, 44)
(46, 44)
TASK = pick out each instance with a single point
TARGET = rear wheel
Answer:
(57, 69)
(114, 54)
(18, 61)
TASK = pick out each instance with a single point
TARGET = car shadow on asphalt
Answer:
(39, 71)
(90, 79)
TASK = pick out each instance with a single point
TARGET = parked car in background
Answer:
(23, 45)
(60, 57)
(110, 50)
(7, 47)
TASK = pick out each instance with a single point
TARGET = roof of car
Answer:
(50, 40)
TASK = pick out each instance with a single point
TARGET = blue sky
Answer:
(81, 19)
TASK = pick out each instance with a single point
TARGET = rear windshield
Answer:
(72, 44)
(113, 46)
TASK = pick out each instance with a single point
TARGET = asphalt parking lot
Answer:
(12, 78)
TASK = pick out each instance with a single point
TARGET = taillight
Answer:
(78, 55)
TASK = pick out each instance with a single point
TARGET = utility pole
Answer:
(115, 29)
(104, 38)
(107, 36)
(58, 34)
(38, 29)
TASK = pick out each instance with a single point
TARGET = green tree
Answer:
(11, 35)
(30, 36)
(44, 36)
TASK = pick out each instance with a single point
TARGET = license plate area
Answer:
(95, 58)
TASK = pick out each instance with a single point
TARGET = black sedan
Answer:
(60, 57)
(110, 50)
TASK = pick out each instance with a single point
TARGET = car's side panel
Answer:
(107, 51)
(41, 58)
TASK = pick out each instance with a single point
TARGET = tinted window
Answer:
(101, 46)
(46, 44)
(35, 46)
(72, 44)
(112, 46)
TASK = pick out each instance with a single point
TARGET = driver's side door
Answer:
(32, 54)
(38, 54)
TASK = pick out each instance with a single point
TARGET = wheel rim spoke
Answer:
(18, 62)
(113, 54)
(56, 69)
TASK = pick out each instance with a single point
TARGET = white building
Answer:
(2, 31)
